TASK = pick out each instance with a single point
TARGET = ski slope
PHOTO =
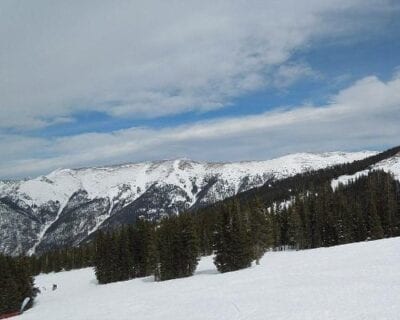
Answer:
(357, 281)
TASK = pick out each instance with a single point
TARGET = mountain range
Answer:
(66, 206)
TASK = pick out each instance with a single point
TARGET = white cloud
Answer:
(152, 58)
(365, 114)
(287, 74)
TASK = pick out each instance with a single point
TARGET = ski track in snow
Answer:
(358, 281)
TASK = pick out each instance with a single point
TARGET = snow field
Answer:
(356, 281)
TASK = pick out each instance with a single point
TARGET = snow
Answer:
(345, 179)
(108, 182)
(185, 182)
(357, 281)
(391, 165)
(45, 228)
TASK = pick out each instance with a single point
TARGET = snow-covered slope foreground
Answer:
(391, 165)
(357, 281)
(66, 206)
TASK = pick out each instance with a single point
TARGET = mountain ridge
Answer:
(65, 206)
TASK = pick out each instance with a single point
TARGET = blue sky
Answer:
(336, 65)
(97, 83)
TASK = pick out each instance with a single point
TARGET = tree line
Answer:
(62, 259)
(239, 233)
(171, 249)
(367, 208)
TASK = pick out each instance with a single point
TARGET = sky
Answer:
(88, 83)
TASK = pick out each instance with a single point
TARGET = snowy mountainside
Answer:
(390, 165)
(353, 281)
(67, 205)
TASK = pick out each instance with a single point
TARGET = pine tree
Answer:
(305, 216)
(167, 246)
(143, 248)
(222, 239)
(233, 247)
(16, 283)
(102, 258)
(375, 230)
(315, 221)
(188, 245)
(389, 207)
(282, 220)
(294, 226)
(343, 220)
(358, 223)
(260, 228)
(275, 218)
(124, 262)
(178, 247)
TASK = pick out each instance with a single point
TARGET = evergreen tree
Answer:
(102, 258)
(343, 220)
(315, 221)
(177, 247)
(16, 283)
(260, 228)
(375, 230)
(143, 248)
(189, 245)
(294, 229)
(233, 247)
(124, 263)
(358, 223)
(276, 220)
(389, 206)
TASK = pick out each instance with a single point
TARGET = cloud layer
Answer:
(367, 113)
(156, 58)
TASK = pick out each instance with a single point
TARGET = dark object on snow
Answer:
(54, 287)
(36, 291)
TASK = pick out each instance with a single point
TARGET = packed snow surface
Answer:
(357, 281)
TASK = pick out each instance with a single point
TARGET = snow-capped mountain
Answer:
(68, 205)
